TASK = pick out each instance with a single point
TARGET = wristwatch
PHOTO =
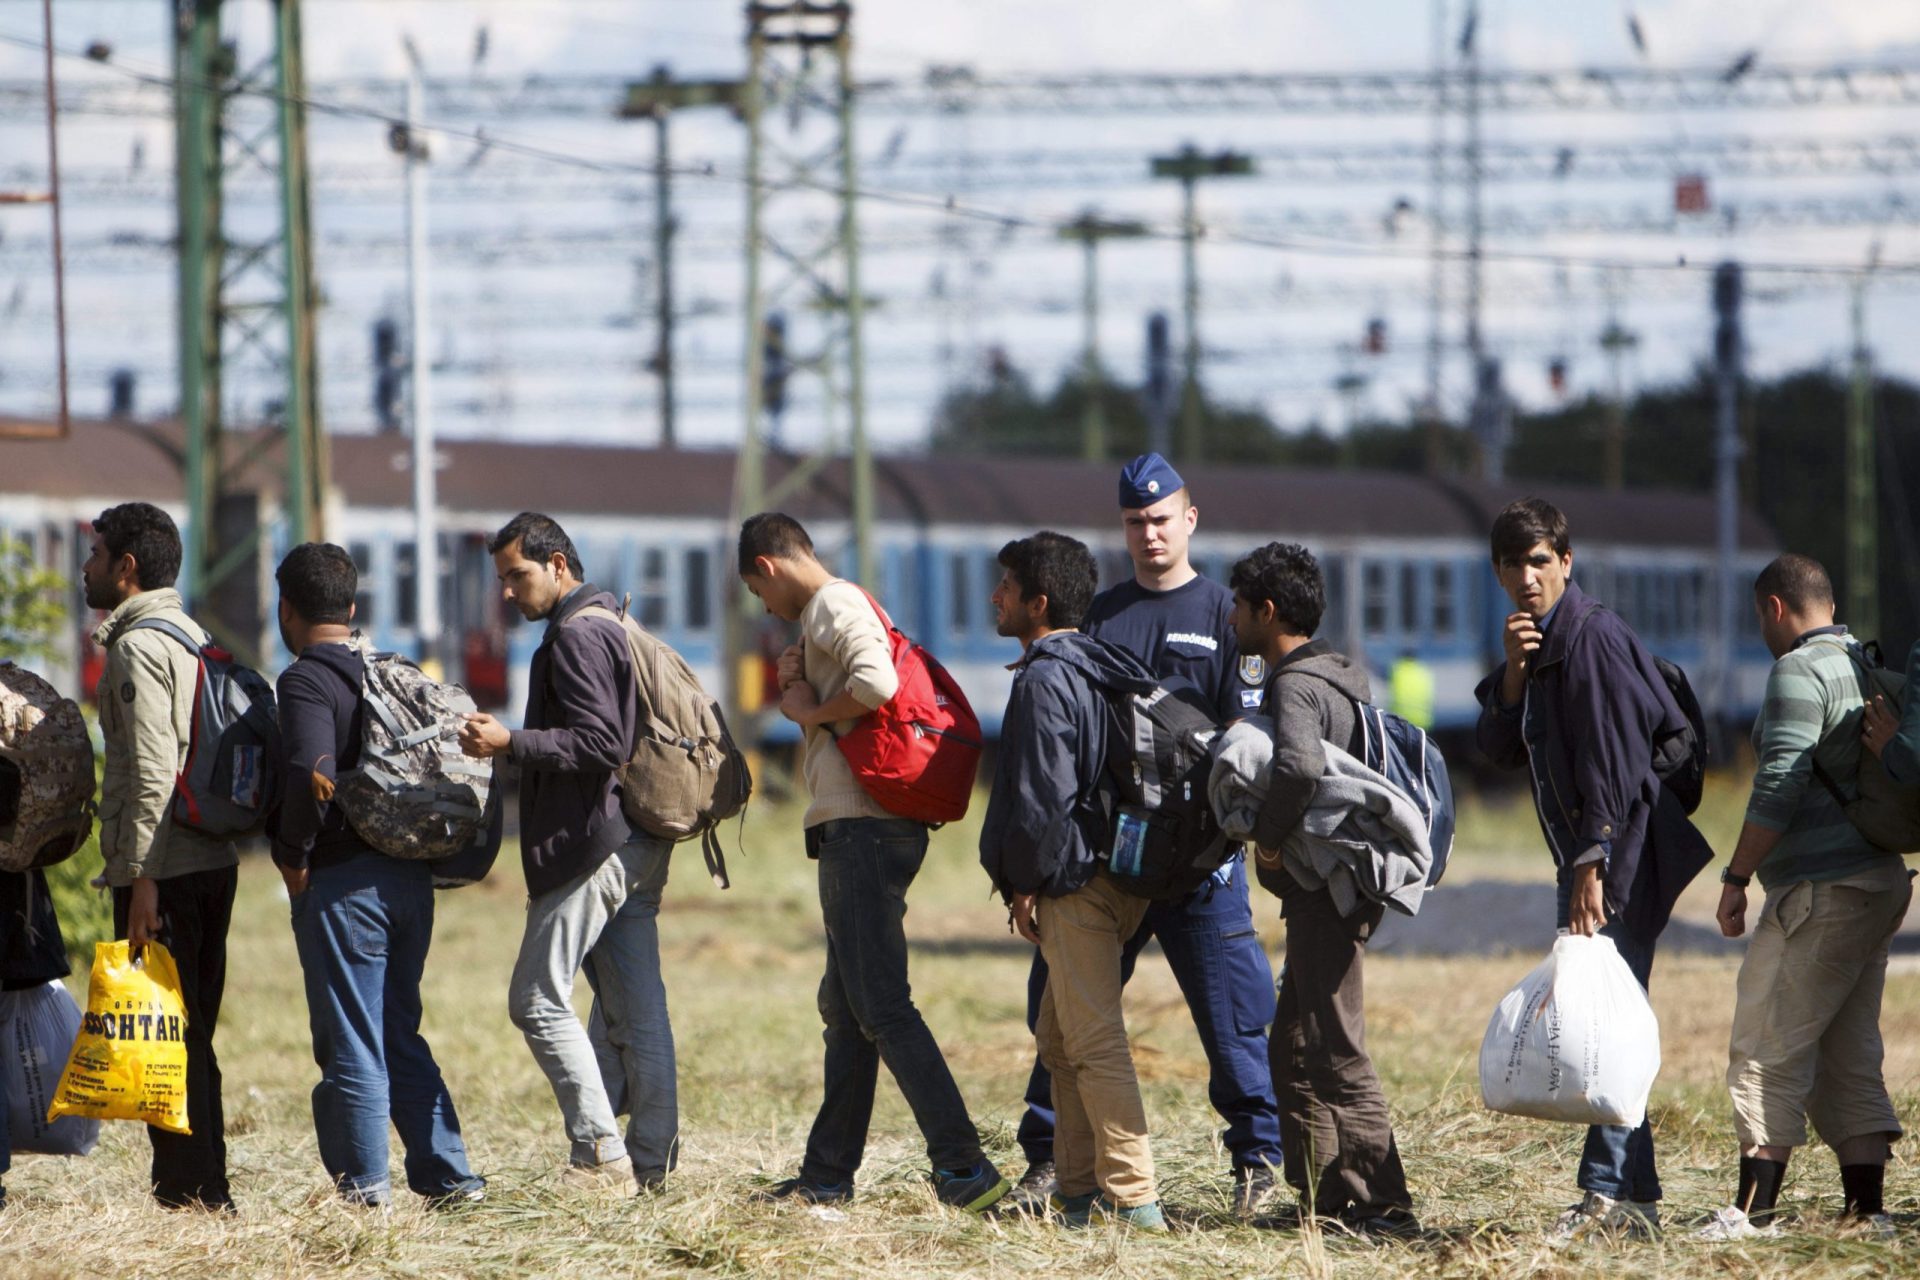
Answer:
(1738, 882)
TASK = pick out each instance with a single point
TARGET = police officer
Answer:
(1176, 622)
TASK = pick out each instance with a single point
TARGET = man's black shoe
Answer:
(806, 1191)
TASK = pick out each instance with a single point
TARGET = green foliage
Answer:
(32, 605)
(86, 913)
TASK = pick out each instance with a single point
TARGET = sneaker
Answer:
(1073, 1211)
(1729, 1223)
(650, 1181)
(1873, 1226)
(1388, 1224)
(1146, 1217)
(1581, 1220)
(972, 1190)
(472, 1191)
(1032, 1194)
(803, 1190)
(614, 1175)
(1254, 1190)
(1634, 1219)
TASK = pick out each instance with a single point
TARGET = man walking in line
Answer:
(1580, 704)
(1046, 836)
(170, 884)
(842, 669)
(1806, 1018)
(362, 921)
(1340, 1153)
(593, 883)
(1176, 623)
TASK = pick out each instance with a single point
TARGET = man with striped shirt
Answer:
(1806, 1023)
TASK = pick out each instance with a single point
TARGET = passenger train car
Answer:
(1405, 556)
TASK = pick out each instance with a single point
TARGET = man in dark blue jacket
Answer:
(1580, 703)
(1045, 837)
(362, 921)
(594, 884)
(1176, 623)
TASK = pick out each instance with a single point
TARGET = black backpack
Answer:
(1166, 840)
(1680, 758)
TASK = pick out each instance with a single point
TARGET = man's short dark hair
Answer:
(539, 538)
(1800, 581)
(1286, 575)
(146, 533)
(318, 580)
(1055, 566)
(1526, 524)
(775, 535)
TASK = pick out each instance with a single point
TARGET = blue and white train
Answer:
(1405, 556)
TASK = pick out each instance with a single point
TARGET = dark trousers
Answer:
(1216, 957)
(195, 910)
(1617, 1162)
(866, 866)
(1340, 1152)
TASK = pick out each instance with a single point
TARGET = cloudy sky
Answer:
(542, 270)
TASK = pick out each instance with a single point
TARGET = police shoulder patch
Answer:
(1253, 669)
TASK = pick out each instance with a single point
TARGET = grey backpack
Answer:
(685, 775)
(414, 793)
(46, 773)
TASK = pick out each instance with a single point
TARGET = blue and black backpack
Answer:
(1402, 752)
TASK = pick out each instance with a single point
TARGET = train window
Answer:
(960, 592)
(405, 604)
(1443, 604)
(697, 584)
(652, 610)
(1410, 623)
(362, 556)
(1334, 621)
(1373, 597)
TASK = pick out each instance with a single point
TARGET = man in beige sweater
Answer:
(842, 669)
(170, 884)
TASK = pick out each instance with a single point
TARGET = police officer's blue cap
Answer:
(1147, 479)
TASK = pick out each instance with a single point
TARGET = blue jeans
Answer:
(606, 924)
(1617, 1162)
(866, 866)
(1217, 959)
(362, 930)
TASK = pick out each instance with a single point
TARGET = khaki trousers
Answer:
(1100, 1123)
(1806, 1025)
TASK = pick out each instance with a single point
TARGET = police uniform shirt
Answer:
(1183, 634)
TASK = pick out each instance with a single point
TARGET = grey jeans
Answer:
(606, 923)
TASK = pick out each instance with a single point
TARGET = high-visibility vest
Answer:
(1410, 684)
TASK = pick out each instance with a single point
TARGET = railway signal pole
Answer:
(1188, 165)
(656, 99)
(1090, 229)
(1863, 515)
(1727, 450)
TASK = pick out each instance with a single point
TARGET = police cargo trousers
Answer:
(1100, 1123)
(362, 930)
(1336, 1131)
(195, 910)
(606, 923)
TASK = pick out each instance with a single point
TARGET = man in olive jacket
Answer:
(170, 884)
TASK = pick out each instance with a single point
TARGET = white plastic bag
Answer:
(37, 1029)
(1576, 1041)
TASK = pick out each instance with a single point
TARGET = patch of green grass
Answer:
(742, 968)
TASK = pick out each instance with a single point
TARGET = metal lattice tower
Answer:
(245, 294)
(802, 264)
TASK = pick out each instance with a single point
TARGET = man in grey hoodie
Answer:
(1337, 1136)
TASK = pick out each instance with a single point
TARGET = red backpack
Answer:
(917, 754)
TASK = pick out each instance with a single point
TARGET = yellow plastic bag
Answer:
(130, 1059)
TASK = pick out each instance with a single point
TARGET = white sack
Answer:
(1576, 1041)
(37, 1030)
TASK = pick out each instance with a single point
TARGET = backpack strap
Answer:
(1863, 667)
(170, 629)
(659, 728)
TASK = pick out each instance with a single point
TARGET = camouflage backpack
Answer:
(46, 773)
(413, 793)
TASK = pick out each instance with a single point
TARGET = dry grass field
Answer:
(741, 971)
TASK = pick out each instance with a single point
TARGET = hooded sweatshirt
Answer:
(1049, 820)
(1310, 698)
